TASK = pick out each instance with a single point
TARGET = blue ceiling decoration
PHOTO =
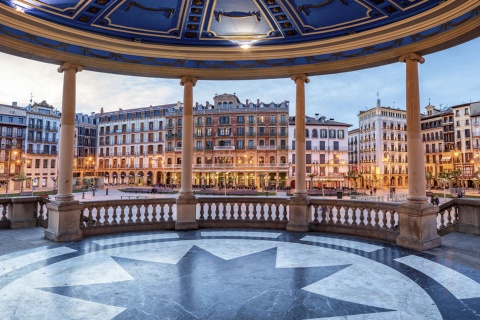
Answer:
(208, 34)
(200, 22)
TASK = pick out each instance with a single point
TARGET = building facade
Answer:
(85, 148)
(12, 141)
(383, 147)
(130, 145)
(326, 152)
(42, 144)
(236, 144)
(353, 149)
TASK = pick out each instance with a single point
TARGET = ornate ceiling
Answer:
(170, 38)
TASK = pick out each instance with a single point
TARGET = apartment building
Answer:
(235, 144)
(42, 144)
(130, 145)
(326, 151)
(353, 149)
(85, 148)
(12, 140)
(383, 147)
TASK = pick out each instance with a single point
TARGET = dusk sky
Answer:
(447, 78)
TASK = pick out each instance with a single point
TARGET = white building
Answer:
(383, 147)
(327, 151)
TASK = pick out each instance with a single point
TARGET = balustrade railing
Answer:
(371, 219)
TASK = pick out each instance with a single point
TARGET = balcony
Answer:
(266, 147)
(218, 148)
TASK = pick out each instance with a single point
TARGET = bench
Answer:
(26, 193)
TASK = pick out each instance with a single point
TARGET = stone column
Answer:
(186, 202)
(64, 212)
(418, 223)
(298, 214)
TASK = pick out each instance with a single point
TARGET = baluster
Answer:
(338, 217)
(392, 220)
(130, 214)
(376, 218)
(224, 211)
(247, 211)
(442, 219)
(217, 211)
(323, 214)
(162, 213)
(315, 214)
(354, 217)
(238, 210)
(362, 217)
(122, 214)
(346, 216)
(98, 216)
(40, 213)
(262, 212)
(170, 212)
(384, 220)
(154, 213)
(114, 215)
(330, 214)
(106, 216)
(202, 211)
(448, 212)
(276, 213)
(254, 218)
(285, 208)
(90, 217)
(455, 214)
(138, 213)
(209, 210)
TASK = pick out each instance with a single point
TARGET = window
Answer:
(322, 145)
(331, 133)
(240, 144)
(37, 163)
(52, 163)
(466, 110)
(307, 134)
(314, 133)
(341, 134)
(309, 145)
(272, 119)
(458, 123)
(250, 144)
(457, 113)
(240, 119)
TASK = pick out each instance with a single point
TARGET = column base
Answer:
(418, 226)
(186, 213)
(64, 221)
(299, 217)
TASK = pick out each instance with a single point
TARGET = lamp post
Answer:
(8, 167)
(459, 156)
(388, 160)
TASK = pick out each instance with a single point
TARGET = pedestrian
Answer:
(437, 200)
(375, 191)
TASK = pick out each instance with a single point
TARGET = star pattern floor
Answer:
(234, 274)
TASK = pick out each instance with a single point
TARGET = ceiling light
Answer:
(19, 9)
(246, 46)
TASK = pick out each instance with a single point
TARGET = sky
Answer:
(447, 78)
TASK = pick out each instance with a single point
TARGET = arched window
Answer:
(230, 105)
(224, 105)
(283, 159)
(272, 160)
(307, 134)
(314, 133)
(261, 160)
(219, 105)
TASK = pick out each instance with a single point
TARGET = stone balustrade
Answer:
(368, 219)
(363, 218)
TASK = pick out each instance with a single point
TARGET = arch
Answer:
(314, 133)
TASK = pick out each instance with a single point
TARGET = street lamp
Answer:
(388, 160)
(15, 152)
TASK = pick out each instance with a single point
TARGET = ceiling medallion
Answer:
(138, 5)
(304, 8)
(237, 14)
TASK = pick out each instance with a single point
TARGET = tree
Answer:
(354, 174)
(476, 179)
(447, 177)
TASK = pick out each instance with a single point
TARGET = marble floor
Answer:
(234, 274)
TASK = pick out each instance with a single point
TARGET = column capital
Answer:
(411, 56)
(300, 76)
(68, 66)
(186, 79)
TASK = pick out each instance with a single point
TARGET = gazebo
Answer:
(230, 40)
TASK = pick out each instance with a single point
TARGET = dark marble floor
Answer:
(235, 274)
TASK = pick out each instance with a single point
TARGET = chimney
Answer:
(317, 116)
(101, 110)
(246, 103)
(196, 105)
(14, 104)
(258, 102)
(207, 104)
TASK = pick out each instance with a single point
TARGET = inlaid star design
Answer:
(204, 286)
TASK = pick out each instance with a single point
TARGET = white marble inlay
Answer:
(462, 287)
(309, 256)
(29, 258)
(147, 237)
(157, 252)
(82, 270)
(371, 316)
(234, 248)
(343, 243)
(21, 302)
(241, 234)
